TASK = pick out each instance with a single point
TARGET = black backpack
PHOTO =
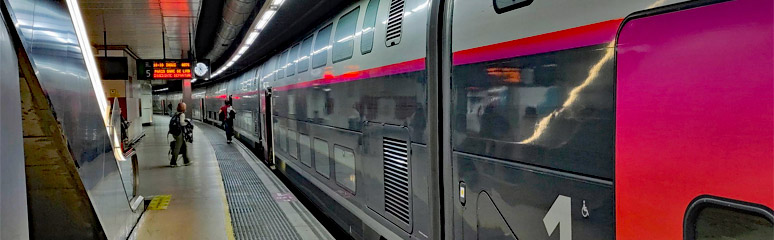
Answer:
(174, 125)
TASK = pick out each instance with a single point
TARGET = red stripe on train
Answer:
(398, 68)
(587, 35)
(582, 36)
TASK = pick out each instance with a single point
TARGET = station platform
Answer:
(227, 193)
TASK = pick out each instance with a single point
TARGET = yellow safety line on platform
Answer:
(160, 202)
(229, 227)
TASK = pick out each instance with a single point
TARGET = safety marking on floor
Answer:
(160, 202)
(284, 197)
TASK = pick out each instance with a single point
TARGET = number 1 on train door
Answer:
(560, 214)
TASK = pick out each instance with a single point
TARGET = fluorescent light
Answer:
(88, 57)
(243, 50)
(251, 38)
(268, 14)
(277, 2)
(261, 24)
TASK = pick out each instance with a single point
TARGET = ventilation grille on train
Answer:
(396, 178)
(395, 24)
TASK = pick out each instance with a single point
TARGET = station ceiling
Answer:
(294, 19)
(139, 24)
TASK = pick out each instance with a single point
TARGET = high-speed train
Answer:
(521, 119)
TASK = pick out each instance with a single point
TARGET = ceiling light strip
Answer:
(258, 25)
(88, 57)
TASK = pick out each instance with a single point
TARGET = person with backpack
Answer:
(227, 115)
(178, 127)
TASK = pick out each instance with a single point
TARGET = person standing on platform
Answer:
(169, 110)
(227, 115)
(176, 128)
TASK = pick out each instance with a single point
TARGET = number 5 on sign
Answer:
(560, 215)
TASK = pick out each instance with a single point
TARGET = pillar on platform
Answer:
(187, 98)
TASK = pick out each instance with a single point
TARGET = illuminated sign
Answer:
(166, 69)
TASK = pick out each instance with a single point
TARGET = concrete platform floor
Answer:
(198, 208)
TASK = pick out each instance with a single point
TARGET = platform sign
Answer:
(165, 69)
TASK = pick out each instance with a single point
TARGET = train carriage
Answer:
(547, 119)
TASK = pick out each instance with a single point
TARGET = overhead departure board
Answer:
(164, 69)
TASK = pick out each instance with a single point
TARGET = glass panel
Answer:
(345, 36)
(282, 65)
(283, 141)
(722, 223)
(321, 47)
(276, 135)
(507, 5)
(292, 144)
(321, 157)
(305, 153)
(268, 68)
(291, 70)
(345, 167)
(303, 57)
(369, 22)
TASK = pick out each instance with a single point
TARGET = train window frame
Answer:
(504, 9)
(292, 58)
(704, 202)
(369, 21)
(345, 49)
(336, 164)
(327, 174)
(320, 59)
(283, 61)
(306, 162)
(307, 50)
(292, 143)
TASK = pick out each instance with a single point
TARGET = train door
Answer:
(203, 110)
(268, 127)
(694, 136)
(532, 119)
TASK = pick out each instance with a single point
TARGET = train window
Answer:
(711, 218)
(276, 60)
(276, 136)
(369, 23)
(283, 61)
(321, 157)
(345, 36)
(722, 223)
(344, 166)
(502, 6)
(291, 70)
(303, 57)
(305, 150)
(292, 144)
(321, 46)
(268, 67)
(283, 139)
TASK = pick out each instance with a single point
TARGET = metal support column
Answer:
(187, 97)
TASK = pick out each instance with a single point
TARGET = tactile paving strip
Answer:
(254, 212)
